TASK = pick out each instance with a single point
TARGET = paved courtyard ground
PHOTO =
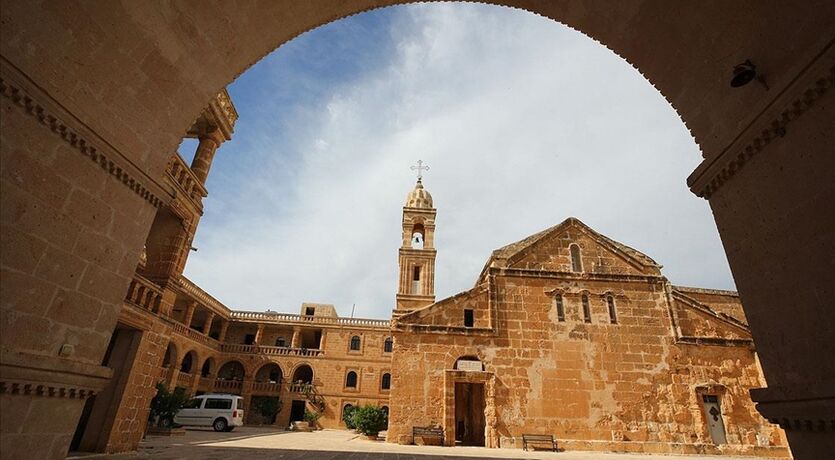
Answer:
(247, 443)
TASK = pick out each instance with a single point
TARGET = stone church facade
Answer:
(570, 333)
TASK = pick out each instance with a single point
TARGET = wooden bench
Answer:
(539, 439)
(428, 432)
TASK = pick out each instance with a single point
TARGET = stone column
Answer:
(224, 326)
(189, 313)
(773, 210)
(294, 343)
(207, 327)
(205, 154)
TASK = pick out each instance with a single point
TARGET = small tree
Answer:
(266, 407)
(348, 417)
(370, 420)
(311, 417)
(166, 404)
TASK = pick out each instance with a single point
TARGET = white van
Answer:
(223, 412)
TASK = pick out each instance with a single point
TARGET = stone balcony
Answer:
(271, 351)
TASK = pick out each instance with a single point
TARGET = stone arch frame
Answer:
(246, 372)
(261, 365)
(616, 29)
(212, 361)
(195, 361)
(299, 366)
(174, 357)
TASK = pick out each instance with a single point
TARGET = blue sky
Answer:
(523, 121)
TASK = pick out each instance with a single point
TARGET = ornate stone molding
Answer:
(795, 100)
(810, 407)
(35, 102)
(50, 376)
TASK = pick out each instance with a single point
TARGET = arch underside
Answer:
(121, 85)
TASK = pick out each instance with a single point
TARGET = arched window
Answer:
(385, 382)
(586, 309)
(355, 343)
(280, 342)
(560, 307)
(388, 345)
(576, 261)
(613, 316)
(351, 380)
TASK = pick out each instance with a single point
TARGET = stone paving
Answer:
(247, 443)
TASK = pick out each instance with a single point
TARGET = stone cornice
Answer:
(34, 101)
(572, 276)
(50, 376)
(771, 124)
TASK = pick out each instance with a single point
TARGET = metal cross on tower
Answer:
(420, 168)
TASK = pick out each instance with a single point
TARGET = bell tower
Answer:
(417, 252)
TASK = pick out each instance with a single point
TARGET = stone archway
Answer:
(93, 99)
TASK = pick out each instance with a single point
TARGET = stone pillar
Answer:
(205, 154)
(207, 327)
(258, 334)
(224, 326)
(189, 313)
(296, 341)
(773, 210)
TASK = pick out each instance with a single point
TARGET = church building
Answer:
(571, 334)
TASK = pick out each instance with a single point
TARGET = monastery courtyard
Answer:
(261, 443)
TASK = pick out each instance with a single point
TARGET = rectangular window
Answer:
(416, 274)
(309, 311)
(469, 319)
(613, 316)
(560, 308)
(586, 309)
(249, 339)
(213, 403)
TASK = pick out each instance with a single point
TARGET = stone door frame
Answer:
(453, 376)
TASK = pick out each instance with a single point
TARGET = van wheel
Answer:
(220, 424)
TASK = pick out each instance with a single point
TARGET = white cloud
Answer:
(523, 121)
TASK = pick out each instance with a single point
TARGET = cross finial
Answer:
(420, 168)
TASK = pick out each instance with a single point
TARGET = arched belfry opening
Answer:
(418, 238)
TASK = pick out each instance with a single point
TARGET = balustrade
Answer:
(184, 177)
(197, 336)
(185, 379)
(272, 351)
(228, 386)
(144, 294)
(266, 387)
(286, 317)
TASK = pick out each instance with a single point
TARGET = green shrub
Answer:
(348, 417)
(369, 420)
(311, 417)
(166, 404)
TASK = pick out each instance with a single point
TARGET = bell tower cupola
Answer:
(417, 252)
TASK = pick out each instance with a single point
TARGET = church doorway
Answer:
(469, 414)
